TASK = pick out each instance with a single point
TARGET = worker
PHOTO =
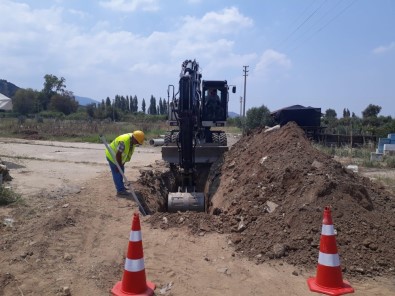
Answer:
(123, 148)
(213, 105)
(212, 97)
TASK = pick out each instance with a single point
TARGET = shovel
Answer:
(127, 183)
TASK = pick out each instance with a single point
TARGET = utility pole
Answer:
(241, 106)
(245, 70)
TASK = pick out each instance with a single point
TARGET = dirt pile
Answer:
(269, 193)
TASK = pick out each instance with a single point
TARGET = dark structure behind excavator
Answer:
(195, 139)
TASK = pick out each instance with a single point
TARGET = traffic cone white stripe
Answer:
(327, 230)
(135, 236)
(134, 265)
(331, 260)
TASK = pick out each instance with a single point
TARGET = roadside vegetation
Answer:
(8, 196)
(55, 103)
(358, 156)
(76, 130)
(379, 171)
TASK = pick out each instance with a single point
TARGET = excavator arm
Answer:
(191, 146)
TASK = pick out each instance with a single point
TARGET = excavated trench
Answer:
(154, 186)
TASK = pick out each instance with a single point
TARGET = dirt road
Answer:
(70, 235)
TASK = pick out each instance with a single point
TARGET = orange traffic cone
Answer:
(329, 279)
(134, 281)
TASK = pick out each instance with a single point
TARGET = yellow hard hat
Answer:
(139, 136)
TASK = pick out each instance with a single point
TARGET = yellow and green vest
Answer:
(127, 152)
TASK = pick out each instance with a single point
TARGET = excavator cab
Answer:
(214, 105)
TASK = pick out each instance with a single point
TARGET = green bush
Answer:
(7, 196)
(390, 161)
(52, 114)
(371, 164)
(78, 116)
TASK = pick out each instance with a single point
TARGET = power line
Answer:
(304, 11)
(305, 21)
(315, 24)
(326, 24)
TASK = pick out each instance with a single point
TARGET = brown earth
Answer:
(69, 235)
(269, 193)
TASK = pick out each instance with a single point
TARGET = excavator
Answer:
(195, 139)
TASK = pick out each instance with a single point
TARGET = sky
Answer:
(321, 53)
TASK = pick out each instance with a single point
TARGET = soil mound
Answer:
(268, 194)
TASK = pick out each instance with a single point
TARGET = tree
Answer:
(371, 111)
(25, 101)
(123, 104)
(143, 106)
(52, 85)
(108, 102)
(346, 113)
(152, 107)
(258, 117)
(330, 118)
(91, 110)
(161, 111)
(165, 107)
(63, 103)
(330, 113)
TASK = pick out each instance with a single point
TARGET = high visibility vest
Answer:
(127, 152)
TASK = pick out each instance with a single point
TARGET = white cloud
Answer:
(384, 49)
(227, 21)
(147, 68)
(205, 38)
(271, 58)
(130, 5)
(78, 13)
(101, 61)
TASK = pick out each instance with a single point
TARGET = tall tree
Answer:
(135, 104)
(371, 111)
(108, 102)
(346, 113)
(52, 85)
(152, 107)
(25, 101)
(160, 106)
(165, 107)
(330, 118)
(91, 110)
(330, 113)
(123, 106)
(65, 103)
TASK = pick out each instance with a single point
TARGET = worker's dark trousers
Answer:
(116, 176)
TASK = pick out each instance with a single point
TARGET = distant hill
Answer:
(7, 88)
(233, 114)
(83, 101)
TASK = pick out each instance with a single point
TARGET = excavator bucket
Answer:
(185, 201)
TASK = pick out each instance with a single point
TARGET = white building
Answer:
(5, 103)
